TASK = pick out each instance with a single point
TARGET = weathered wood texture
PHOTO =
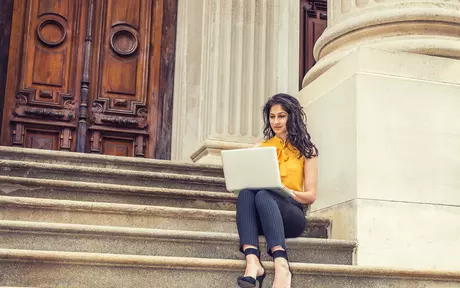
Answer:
(6, 14)
(91, 76)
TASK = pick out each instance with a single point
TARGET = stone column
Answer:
(427, 27)
(232, 55)
(383, 110)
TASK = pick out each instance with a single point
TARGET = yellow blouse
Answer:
(291, 167)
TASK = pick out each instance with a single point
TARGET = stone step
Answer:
(128, 215)
(114, 193)
(110, 176)
(77, 269)
(111, 162)
(159, 242)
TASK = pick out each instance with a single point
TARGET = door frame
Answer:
(166, 83)
(6, 17)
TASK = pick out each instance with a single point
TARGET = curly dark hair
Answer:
(298, 135)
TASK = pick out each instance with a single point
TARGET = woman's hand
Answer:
(306, 197)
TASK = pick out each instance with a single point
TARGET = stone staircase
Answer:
(79, 220)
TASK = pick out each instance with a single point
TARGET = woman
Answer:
(265, 213)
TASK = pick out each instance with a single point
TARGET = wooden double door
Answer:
(91, 76)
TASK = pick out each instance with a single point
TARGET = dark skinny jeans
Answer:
(261, 212)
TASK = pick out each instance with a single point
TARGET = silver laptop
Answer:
(253, 168)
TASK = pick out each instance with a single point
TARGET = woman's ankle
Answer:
(281, 263)
(254, 270)
(252, 259)
(253, 264)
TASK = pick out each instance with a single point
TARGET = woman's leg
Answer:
(271, 219)
(247, 219)
(247, 222)
(293, 217)
(280, 219)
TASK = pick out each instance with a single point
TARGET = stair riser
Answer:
(126, 220)
(160, 199)
(27, 155)
(70, 275)
(200, 248)
(178, 222)
(110, 178)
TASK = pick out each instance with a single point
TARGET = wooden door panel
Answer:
(39, 139)
(91, 76)
(60, 7)
(118, 147)
(121, 88)
(122, 74)
(42, 89)
(48, 80)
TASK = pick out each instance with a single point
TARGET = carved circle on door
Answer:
(123, 41)
(51, 32)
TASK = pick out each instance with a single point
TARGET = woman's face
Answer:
(278, 120)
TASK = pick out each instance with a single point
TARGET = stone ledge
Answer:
(97, 207)
(209, 152)
(106, 161)
(45, 227)
(111, 176)
(104, 187)
(102, 192)
(160, 242)
(112, 214)
(213, 264)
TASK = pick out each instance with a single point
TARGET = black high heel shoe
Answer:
(283, 254)
(248, 281)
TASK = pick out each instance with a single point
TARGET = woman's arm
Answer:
(310, 182)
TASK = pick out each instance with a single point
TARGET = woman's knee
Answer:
(263, 196)
(245, 196)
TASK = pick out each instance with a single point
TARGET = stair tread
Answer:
(106, 187)
(133, 215)
(106, 171)
(168, 262)
(114, 207)
(125, 208)
(80, 229)
(96, 160)
(53, 155)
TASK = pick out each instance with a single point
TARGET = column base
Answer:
(209, 152)
(397, 233)
(388, 130)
